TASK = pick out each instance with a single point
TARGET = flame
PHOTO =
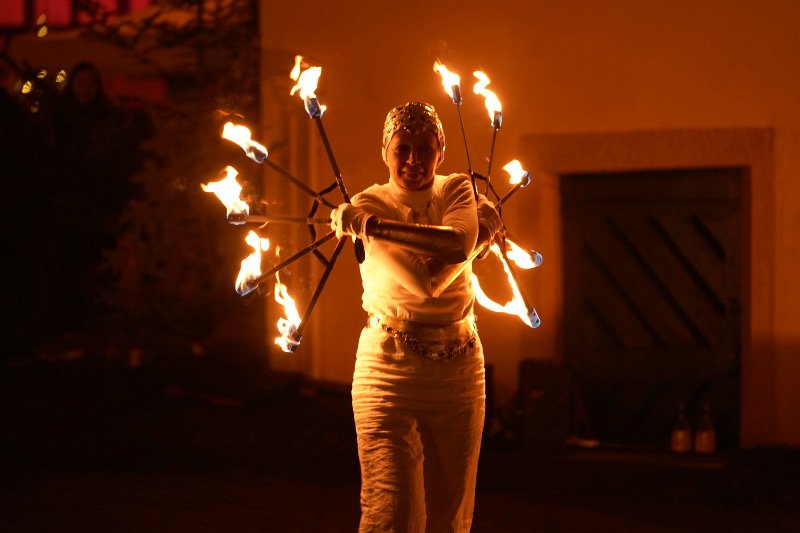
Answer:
(241, 135)
(286, 326)
(306, 82)
(522, 258)
(515, 172)
(450, 81)
(493, 105)
(251, 265)
(228, 191)
(516, 306)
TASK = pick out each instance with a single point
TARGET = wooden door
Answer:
(652, 289)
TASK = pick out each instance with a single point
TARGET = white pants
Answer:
(419, 425)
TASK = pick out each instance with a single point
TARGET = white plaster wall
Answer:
(564, 67)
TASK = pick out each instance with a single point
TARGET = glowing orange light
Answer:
(306, 83)
(229, 192)
(241, 135)
(286, 326)
(515, 171)
(251, 265)
(493, 105)
(514, 307)
(522, 258)
(450, 81)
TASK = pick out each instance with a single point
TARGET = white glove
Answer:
(348, 219)
(489, 221)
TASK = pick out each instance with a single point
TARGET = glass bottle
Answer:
(681, 440)
(705, 440)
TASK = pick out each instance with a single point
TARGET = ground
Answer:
(201, 444)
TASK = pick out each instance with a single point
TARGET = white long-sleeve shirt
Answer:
(398, 283)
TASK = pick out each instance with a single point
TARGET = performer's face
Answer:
(412, 159)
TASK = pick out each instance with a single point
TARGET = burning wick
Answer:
(306, 82)
(522, 258)
(495, 110)
(251, 265)
(287, 327)
(229, 192)
(517, 174)
(518, 177)
(493, 105)
(241, 136)
(451, 82)
(516, 306)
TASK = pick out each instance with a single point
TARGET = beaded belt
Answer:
(409, 333)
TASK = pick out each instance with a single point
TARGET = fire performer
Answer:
(418, 386)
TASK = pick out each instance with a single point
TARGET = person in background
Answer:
(95, 153)
(418, 387)
(89, 137)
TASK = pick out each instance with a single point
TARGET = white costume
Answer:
(418, 386)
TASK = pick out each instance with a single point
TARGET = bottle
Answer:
(705, 440)
(681, 440)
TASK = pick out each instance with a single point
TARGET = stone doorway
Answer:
(552, 156)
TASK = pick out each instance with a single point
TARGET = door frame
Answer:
(550, 155)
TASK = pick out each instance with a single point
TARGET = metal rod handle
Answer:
(311, 192)
(466, 150)
(491, 158)
(297, 334)
(249, 287)
(359, 245)
(334, 166)
(261, 219)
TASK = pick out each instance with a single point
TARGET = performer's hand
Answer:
(348, 219)
(489, 221)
